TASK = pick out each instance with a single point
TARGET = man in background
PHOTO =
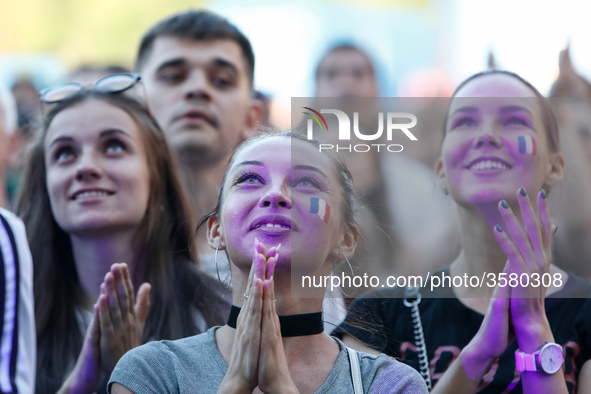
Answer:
(198, 71)
(419, 224)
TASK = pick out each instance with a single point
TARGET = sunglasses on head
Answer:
(115, 83)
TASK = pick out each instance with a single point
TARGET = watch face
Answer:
(551, 358)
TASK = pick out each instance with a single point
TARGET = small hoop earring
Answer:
(227, 285)
(352, 274)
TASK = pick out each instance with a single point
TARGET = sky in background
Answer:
(526, 36)
(420, 47)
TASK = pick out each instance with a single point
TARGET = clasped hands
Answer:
(117, 326)
(518, 312)
(258, 358)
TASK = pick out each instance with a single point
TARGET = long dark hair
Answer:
(163, 249)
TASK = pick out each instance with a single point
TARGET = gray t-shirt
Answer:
(194, 365)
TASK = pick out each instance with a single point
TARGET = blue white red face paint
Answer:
(527, 145)
(319, 207)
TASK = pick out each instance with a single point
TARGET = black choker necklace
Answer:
(291, 325)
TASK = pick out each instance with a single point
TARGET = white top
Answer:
(18, 346)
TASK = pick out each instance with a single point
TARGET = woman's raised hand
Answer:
(242, 375)
(116, 327)
(517, 303)
(273, 374)
(493, 337)
(87, 374)
(122, 319)
(529, 257)
(516, 309)
(257, 353)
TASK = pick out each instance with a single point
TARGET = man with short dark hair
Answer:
(198, 71)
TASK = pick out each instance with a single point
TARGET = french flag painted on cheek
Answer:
(527, 145)
(319, 207)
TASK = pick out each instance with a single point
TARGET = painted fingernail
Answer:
(543, 194)
(498, 228)
(522, 192)
(504, 204)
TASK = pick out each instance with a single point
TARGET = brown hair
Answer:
(198, 26)
(162, 244)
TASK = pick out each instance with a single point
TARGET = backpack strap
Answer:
(355, 371)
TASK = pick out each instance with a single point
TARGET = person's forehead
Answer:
(285, 151)
(497, 92)
(344, 58)
(194, 52)
(91, 117)
(495, 85)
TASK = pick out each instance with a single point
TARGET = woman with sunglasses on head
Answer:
(284, 209)
(500, 158)
(100, 189)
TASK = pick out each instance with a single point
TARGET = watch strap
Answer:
(525, 361)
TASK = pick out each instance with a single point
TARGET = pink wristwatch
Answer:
(547, 359)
